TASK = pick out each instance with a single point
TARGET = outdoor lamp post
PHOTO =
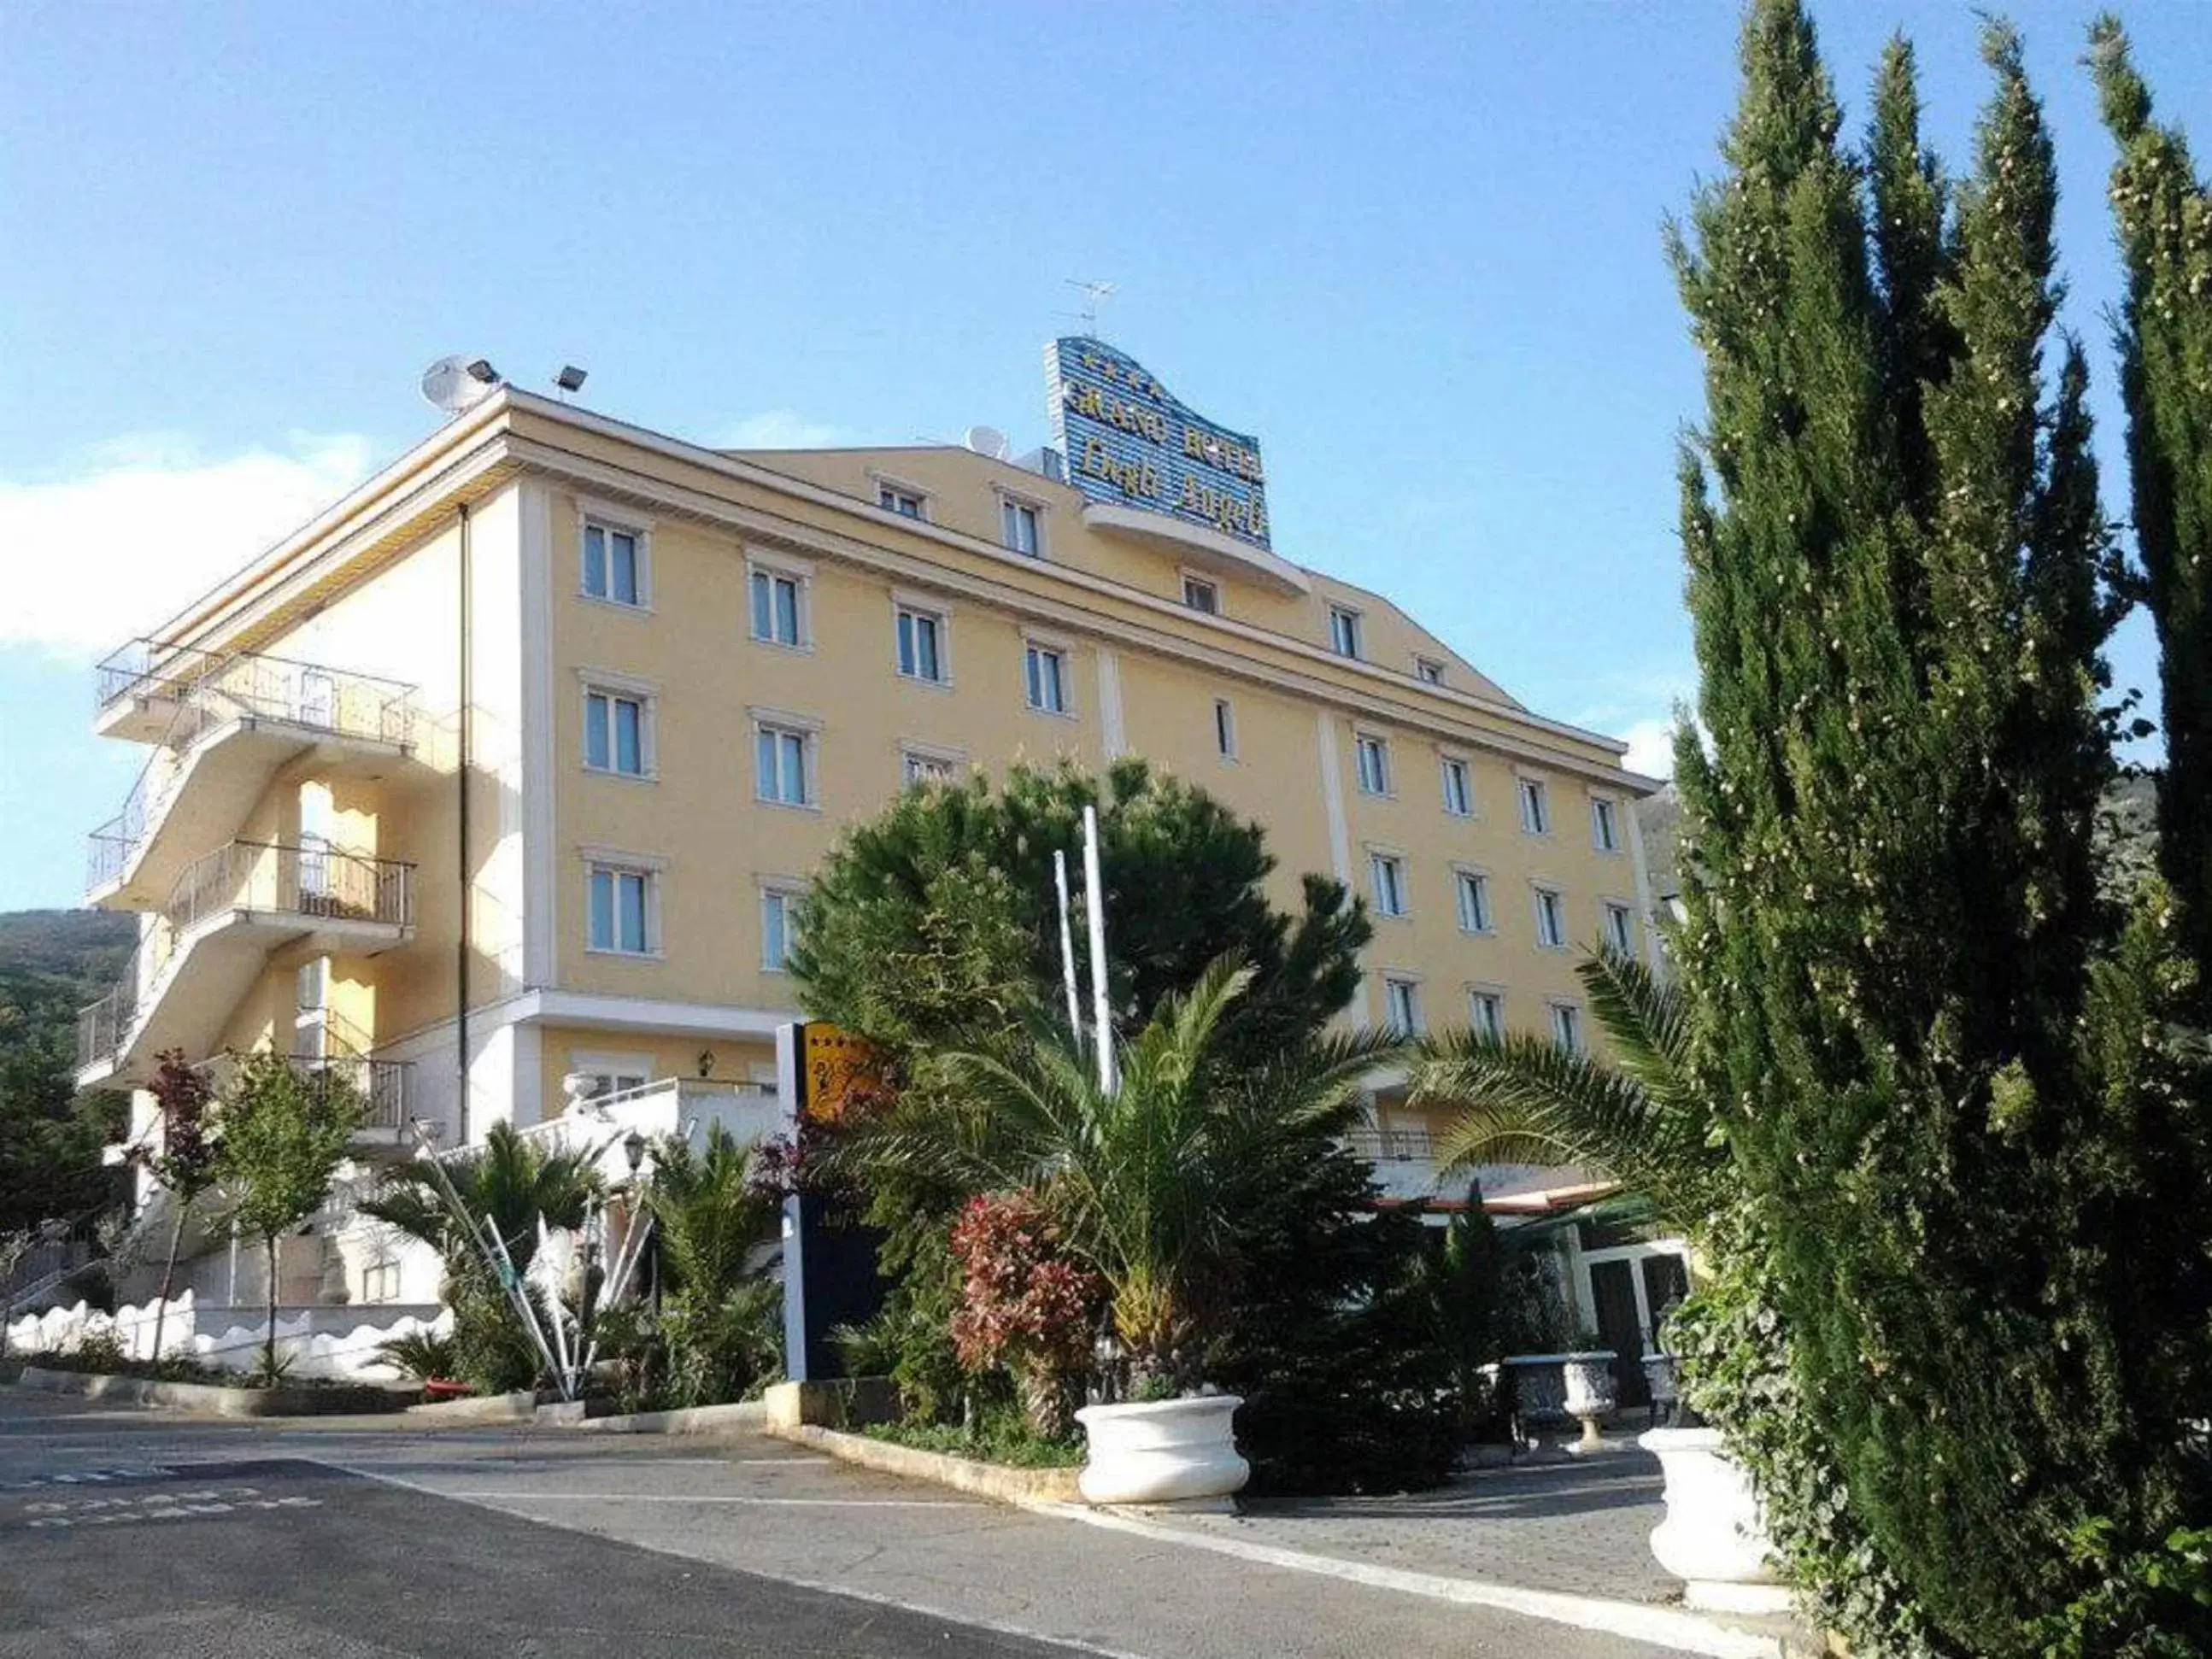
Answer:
(634, 1145)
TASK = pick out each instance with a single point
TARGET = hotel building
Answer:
(498, 783)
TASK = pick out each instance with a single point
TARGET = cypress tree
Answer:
(1893, 549)
(2164, 215)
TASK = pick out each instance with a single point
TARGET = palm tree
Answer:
(509, 1181)
(1523, 1099)
(721, 1319)
(1153, 1181)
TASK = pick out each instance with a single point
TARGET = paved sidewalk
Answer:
(1578, 1526)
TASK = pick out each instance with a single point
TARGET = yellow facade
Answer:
(518, 493)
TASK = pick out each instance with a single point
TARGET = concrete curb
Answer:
(993, 1480)
(282, 1402)
(747, 1416)
(517, 1407)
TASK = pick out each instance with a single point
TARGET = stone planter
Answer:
(1591, 1394)
(1162, 1452)
(1712, 1539)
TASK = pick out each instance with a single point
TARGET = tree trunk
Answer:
(268, 1335)
(168, 1278)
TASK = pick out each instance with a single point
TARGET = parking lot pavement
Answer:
(340, 1539)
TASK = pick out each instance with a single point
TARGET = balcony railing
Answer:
(1393, 1146)
(384, 1084)
(211, 690)
(305, 880)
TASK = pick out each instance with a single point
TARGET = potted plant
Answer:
(1147, 1180)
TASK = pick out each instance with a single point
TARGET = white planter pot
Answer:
(1713, 1539)
(1162, 1452)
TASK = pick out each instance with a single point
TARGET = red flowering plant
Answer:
(1025, 1304)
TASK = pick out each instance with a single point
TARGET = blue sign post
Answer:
(1130, 443)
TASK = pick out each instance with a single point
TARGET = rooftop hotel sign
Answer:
(1129, 443)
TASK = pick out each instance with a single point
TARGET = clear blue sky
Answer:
(1414, 249)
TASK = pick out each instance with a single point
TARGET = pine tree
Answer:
(1893, 549)
(2164, 213)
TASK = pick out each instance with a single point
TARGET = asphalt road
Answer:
(124, 1533)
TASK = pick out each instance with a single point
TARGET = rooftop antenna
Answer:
(1095, 294)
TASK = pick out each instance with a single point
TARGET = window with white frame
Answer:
(1387, 870)
(1370, 762)
(608, 1074)
(1021, 526)
(1401, 1005)
(1045, 670)
(311, 986)
(1200, 594)
(1429, 670)
(921, 644)
(778, 602)
(1458, 787)
(617, 731)
(1605, 824)
(926, 766)
(1535, 806)
(901, 499)
(1567, 1027)
(1344, 630)
(1551, 918)
(780, 918)
(1485, 1012)
(1473, 893)
(1225, 729)
(614, 563)
(380, 1281)
(783, 764)
(1620, 927)
(624, 904)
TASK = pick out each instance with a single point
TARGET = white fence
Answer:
(336, 1342)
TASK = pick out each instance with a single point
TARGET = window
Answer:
(784, 765)
(614, 564)
(1372, 761)
(1605, 824)
(779, 926)
(1551, 920)
(1343, 631)
(1388, 871)
(616, 733)
(1046, 667)
(1021, 526)
(1459, 788)
(621, 910)
(1535, 807)
(1620, 930)
(776, 598)
(1225, 729)
(1429, 670)
(380, 1281)
(1485, 1012)
(897, 498)
(1474, 901)
(920, 766)
(1401, 1005)
(1200, 594)
(921, 644)
(1567, 1027)
(312, 986)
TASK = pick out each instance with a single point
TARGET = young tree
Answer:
(284, 1131)
(185, 1166)
(2164, 213)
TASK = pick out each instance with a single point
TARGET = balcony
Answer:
(227, 911)
(222, 725)
(749, 1112)
(1405, 1164)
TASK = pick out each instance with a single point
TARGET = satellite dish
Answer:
(449, 385)
(988, 441)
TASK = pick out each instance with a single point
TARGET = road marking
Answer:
(1662, 1627)
(475, 1497)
